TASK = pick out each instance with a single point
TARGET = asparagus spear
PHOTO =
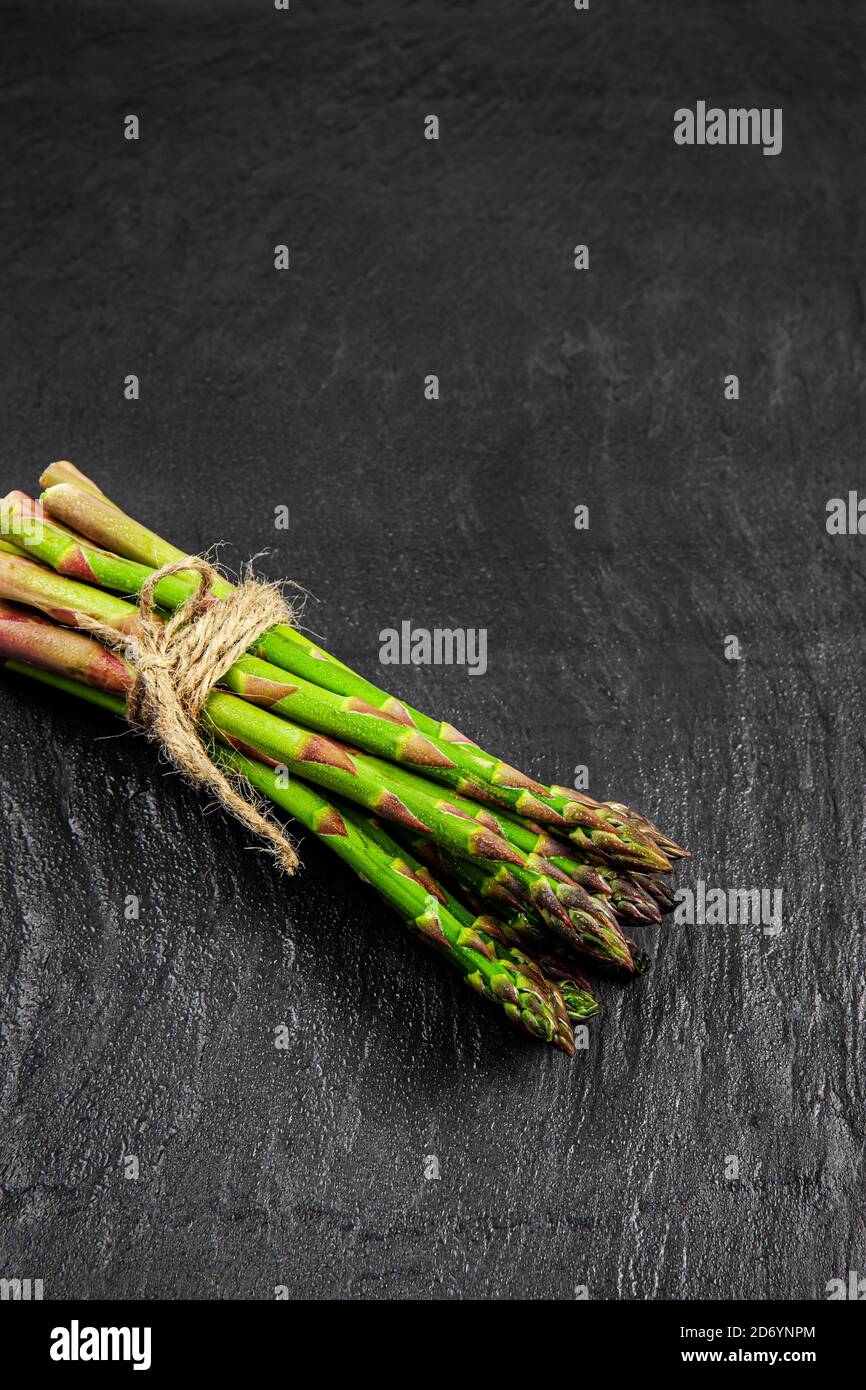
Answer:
(7, 547)
(357, 776)
(26, 637)
(371, 726)
(102, 521)
(115, 704)
(560, 905)
(656, 888)
(575, 988)
(580, 922)
(586, 910)
(524, 995)
(62, 471)
(601, 942)
(343, 717)
(582, 1004)
(528, 999)
(628, 897)
(24, 581)
(617, 813)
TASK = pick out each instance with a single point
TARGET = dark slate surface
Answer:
(305, 1167)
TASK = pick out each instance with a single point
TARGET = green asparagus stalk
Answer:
(524, 994)
(97, 518)
(618, 814)
(8, 548)
(581, 1003)
(629, 899)
(359, 777)
(586, 910)
(62, 471)
(565, 909)
(655, 888)
(344, 718)
(22, 580)
(520, 928)
(600, 942)
(563, 905)
(576, 989)
(114, 704)
(26, 637)
(528, 999)
(464, 767)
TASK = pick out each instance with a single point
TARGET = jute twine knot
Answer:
(178, 662)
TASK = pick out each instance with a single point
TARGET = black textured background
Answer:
(305, 1167)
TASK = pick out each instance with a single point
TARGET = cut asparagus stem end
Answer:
(62, 471)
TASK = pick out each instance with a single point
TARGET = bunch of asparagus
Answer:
(521, 886)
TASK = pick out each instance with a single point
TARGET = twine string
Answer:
(179, 661)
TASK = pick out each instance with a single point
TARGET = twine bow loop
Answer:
(178, 661)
